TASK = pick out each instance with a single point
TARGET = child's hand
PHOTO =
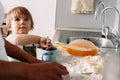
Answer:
(45, 43)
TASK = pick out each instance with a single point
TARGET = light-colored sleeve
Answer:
(3, 54)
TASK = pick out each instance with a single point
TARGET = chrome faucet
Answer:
(117, 41)
(97, 10)
(108, 30)
(100, 6)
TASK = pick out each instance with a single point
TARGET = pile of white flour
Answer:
(81, 68)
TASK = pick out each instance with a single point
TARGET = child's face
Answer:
(20, 25)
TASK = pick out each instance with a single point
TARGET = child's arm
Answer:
(25, 39)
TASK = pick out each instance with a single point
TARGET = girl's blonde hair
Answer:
(16, 12)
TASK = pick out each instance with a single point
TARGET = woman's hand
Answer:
(47, 71)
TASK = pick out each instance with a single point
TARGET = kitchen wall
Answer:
(1, 12)
(43, 12)
(67, 20)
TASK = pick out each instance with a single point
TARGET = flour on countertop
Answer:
(81, 68)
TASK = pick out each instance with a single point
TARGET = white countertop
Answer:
(81, 68)
(88, 67)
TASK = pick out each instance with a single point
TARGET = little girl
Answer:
(19, 22)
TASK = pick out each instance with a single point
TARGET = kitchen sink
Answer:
(98, 41)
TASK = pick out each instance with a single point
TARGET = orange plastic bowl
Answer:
(81, 47)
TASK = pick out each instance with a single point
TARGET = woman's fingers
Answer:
(62, 70)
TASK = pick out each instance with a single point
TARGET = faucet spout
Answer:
(113, 8)
(98, 7)
(111, 32)
(107, 32)
(117, 42)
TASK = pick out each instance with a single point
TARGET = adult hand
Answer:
(47, 71)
